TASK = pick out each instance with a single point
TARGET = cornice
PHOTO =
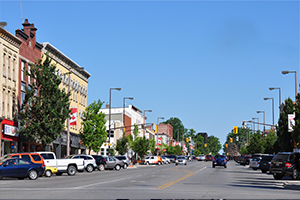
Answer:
(7, 36)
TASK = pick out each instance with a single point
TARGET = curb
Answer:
(291, 186)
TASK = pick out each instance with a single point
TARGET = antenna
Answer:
(21, 11)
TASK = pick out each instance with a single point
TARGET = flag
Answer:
(73, 117)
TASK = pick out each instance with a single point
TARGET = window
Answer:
(22, 93)
(8, 66)
(14, 103)
(29, 73)
(47, 155)
(4, 66)
(23, 76)
(3, 98)
(14, 70)
(8, 104)
(36, 157)
(26, 157)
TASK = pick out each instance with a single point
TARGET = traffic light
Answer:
(231, 140)
(235, 130)
(226, 145)
(154, 127)
(187, 139)
(205, 145)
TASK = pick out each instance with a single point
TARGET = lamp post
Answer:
(273, 88)
(272, 106)
(109, 116)
(156, 139)
(264, 120)
(130, 98)
(257, 122)
(287, 72)
(145, 120)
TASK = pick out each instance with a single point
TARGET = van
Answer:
(33, 157)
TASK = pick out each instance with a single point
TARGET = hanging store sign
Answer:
(10, 130)
(73, 117)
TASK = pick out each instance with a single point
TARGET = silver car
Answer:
(113, 163)
(180, 160)
(255, 163)
(89, 161)
(125, 160)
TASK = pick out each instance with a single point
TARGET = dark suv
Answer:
(265, 163)
(285, 164)
(100, 161)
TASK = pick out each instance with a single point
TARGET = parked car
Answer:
(21, 168)
(49, 171)
(165, 160)
(285, 164)
(69, 166)
(100, 161)
(209, 158)
(180, 160)
(245, 160)
(150, 160)
(33, 157)
(219, 160)
(255, 163)
(201, 157)
(171, 158)
(89, 161)
(125, 159)
(113, 163)
(265, 163)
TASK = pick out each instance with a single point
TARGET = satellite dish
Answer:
(2, 24)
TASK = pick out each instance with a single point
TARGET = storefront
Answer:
(9, 137)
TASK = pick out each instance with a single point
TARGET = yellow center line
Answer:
(176, 181)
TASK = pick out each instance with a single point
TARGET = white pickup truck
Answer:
(70, 166)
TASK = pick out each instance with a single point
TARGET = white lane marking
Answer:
(100, 183)
(199, 170)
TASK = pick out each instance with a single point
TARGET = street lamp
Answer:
(156, 139)
(264, 120)
(273, 88)
(110, 89)
(287, 72)
(130, 98)
(257, 123)
(272, 106)
(145, 120)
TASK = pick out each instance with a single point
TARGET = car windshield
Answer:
(281, 157)
(180, 157)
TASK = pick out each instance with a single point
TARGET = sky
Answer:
(208, 63)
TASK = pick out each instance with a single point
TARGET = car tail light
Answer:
(258, 162)
(83, 162)
(225, 160)
(213, 159)
(43, 165)
(95, 160)
(104, 160)
(288, 165)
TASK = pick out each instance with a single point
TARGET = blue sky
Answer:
(209, 63)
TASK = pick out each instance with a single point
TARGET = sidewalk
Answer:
(295, 185)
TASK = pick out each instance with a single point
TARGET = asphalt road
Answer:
(197, 180)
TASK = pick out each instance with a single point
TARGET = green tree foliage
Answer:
(122, 146)
(269, 142)
(296, 132)
(243, 150)
(93, 133)
(213, 145)
(152, 146)
(199, 144)
(178, 150)
(285, 137)
(170, 150)
(141, 145)
(44, 113)
(256, 144)
(178, 128)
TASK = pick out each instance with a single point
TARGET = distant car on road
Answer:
(209, 158)
(180, 160)
(153, 160)
(265, 163)
(89, 161)
(100, 161)
(201, 157)
(125, 159)
(171, 158)
(113, 163)
(219, 160)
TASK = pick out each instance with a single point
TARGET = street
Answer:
(197, 180)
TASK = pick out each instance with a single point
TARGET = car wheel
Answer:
(254, 169)
(125, 166)
(1, 177)
(225, 166)
(21, 178)
(176, 164)
(277, 177)
(263, 171)
(71, 170)
(295, 174)
(213, 166)
(32, 174)
(147, 163)
(101, 167)
(159, 163)
(185, 164)
(117, 167)
(89, 168)
(48, 173)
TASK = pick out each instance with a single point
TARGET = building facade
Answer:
(9, 81)
(30, 51)
(74, 80)
(123, 119)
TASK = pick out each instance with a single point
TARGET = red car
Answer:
(209, 158)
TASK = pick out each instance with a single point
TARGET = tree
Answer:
(178, 150)
(213, 145)
(269, 142)
(152, 146)
(285, 137)
(141, 145)
(256, 144)
(45, 107)
(178, 128)
(170, 150)
(243, 150)
(296, 132)
(93, 134)
(123, 145)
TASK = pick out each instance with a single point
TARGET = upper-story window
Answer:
(14, 70)
(23, 76)
(4, 64)
(29, 82)
(8, 66)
